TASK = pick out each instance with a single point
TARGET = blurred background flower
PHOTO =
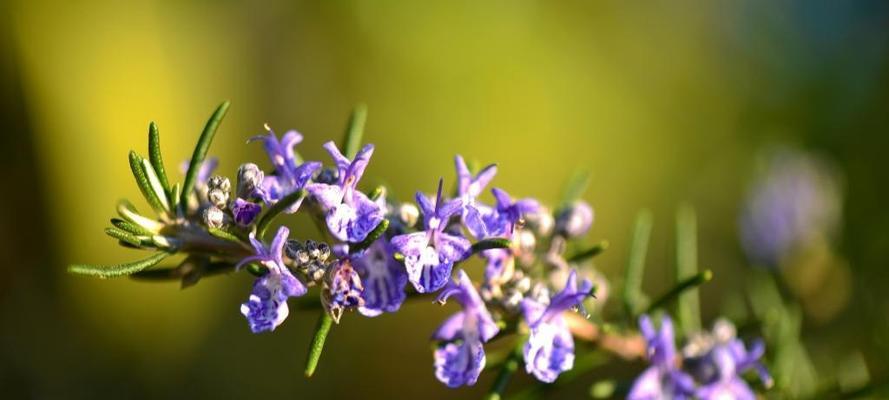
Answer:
(663, 102)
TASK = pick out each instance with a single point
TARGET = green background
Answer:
(663, 102)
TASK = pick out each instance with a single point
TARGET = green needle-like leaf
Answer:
(277, 209)
(154, 154)
(224, 235)
(492, 243)
(680, 288)
(632, 293)
(137, 166)
(354, 132)
(130, 227)
(371, 237)
(688, 310)
(127, 211)
(112, 271)
(200, 151)
(155, 183)
(123, 236)
(325, 321)
(591, 252)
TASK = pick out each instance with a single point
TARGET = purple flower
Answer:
(384, 279)
(460, 361)
(350, 214)
(550, 347)
(290, 176)
(245, 212)
(727, 361)
(342, 288)
(663, 379)
(266, 307)
(796, 200)
(500, 266)
(429, 255)
(507, 213)
(468, 189)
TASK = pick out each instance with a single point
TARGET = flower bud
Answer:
(218, 198)
(575, 220)
(409, 214)
(327, 175)
(296, 251)
(219, 182)
(249, 180)
(214, 217)
(540, 222)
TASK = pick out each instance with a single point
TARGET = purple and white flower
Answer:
(462, 359)
(384, 279)
(343, 289)
(507, 213)
(266, 308)
(349, 213)
(468, 190)
(663, 379)
(245, 212)
(550, 347)
(290, 175)
(430, 255)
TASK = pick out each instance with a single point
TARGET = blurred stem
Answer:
(510, 366)
(688, 308)
(679, 289)
(632, 293)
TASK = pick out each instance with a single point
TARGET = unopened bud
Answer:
(327, 175)
(575, 220)
(249, 179)
(218, 198)
(219, 182)
(409, 214)
(214, 217)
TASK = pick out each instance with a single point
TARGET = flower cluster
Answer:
(537, 282)
(708, 368)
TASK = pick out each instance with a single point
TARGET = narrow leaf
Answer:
(136, 165)
(632, 293)
(154, 154)
(276, 209)
(224, 235)
(688, 310)
(155, 183)
(127, 211)
(354, 132)
(123, 236)
(175, 193)
(371, 237)
(680, 288)
(325, 321)
(492, 243)
(112, 271)
(591, 252)
(130, 227)
(200, 151)
(574, 187)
